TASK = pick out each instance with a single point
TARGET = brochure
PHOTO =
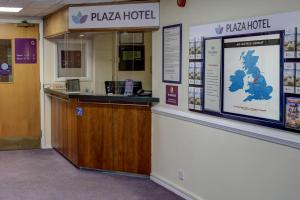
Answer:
(198, 98)
(192, 49)
(293, 113)
(192, 73)
(191, 98)
(297, 82)
(198, 73)
(199, 51)
(289, 78)
(290, 43)
(298, 42)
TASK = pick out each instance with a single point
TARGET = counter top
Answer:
(102, 98)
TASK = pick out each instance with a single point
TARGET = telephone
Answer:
(142, 92)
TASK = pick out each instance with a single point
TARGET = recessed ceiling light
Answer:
(81, 35)
(10, 9)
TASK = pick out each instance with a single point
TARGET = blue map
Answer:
(258, 88)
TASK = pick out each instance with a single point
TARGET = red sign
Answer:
(172, 95)
(181, 3)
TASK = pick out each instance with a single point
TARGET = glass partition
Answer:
(106, 62)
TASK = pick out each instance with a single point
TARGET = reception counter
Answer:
(102, 132)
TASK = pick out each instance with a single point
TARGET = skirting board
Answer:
(171, 187)
(46, 146)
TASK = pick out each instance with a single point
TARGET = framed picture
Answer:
(71, 59)
(6, 67)
(172, 53)
(252, 76)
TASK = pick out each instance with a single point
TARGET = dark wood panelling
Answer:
(107, 136)
(96, 136)
(132, 138)
(64, 128)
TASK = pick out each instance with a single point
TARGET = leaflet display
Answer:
(247, 70)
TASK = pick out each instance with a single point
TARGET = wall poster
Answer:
(252, 76)
(25, 51)
(6, 68)
(212, 74)
(172, 53)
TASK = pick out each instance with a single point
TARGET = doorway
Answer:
(20, 122)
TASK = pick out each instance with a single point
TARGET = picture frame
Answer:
(172, 54)
(264, 108)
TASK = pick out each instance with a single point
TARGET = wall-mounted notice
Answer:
(25, 51)
(251, 76)
(114, 16)
(257, 95)
(172, 58)
(172, 95)
(212, 74)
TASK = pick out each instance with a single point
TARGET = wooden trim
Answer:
(57, 35)
(56, 23)
(60, 9)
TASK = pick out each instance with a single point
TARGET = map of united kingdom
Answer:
(257, 89)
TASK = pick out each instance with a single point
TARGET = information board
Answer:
(252, 76)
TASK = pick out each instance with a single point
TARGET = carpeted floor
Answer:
(44, 174)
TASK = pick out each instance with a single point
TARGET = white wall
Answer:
(217, 164)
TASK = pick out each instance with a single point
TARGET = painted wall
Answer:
(217, 164)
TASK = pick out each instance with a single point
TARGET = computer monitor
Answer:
(118, 87)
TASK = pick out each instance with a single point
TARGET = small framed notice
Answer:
(172, 95)
(172, 53)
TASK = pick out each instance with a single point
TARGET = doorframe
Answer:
(38, 21)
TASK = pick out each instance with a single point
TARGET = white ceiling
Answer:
(39, 8)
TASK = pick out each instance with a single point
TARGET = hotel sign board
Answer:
(114, 16)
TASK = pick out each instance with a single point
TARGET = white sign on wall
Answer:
(114, 16)
(284, 21)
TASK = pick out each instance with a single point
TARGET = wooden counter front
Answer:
(108, 136)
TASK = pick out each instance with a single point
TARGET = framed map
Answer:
(252, 76)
